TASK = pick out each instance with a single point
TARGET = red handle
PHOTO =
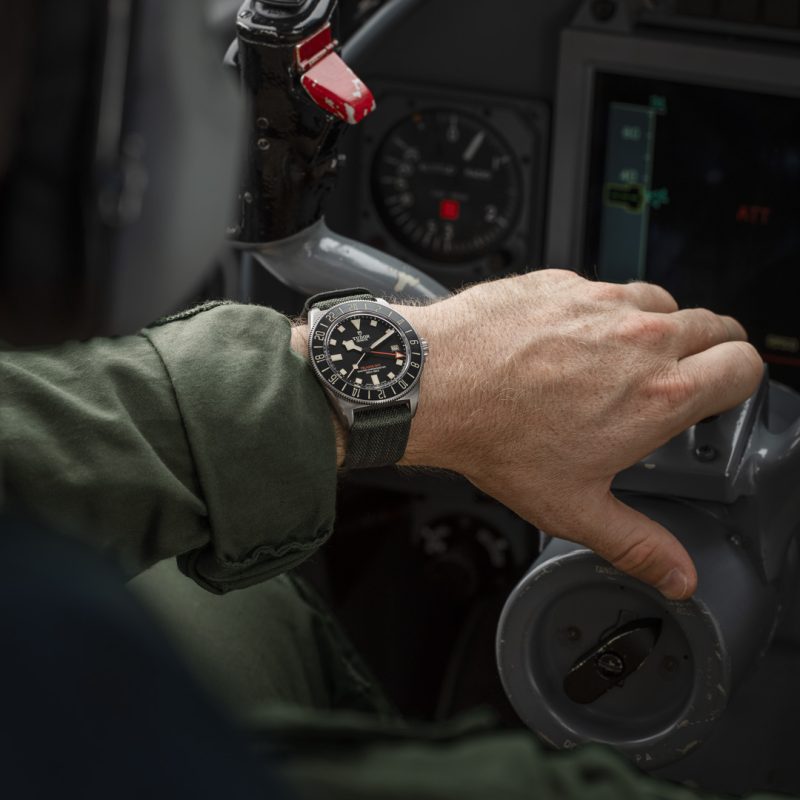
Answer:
(330, 83)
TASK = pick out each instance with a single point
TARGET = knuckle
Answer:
(708, 322)
(646, 330)
(637, 557)
(750, 356)
(557, 276)
(663, 294)
(752, 365)
(672, 390)
(610, 292)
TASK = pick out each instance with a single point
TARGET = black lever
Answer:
(619, 655)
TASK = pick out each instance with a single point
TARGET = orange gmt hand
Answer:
(381, 353)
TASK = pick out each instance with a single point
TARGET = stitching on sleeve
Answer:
(190, 312)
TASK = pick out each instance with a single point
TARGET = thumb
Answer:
(637, 545)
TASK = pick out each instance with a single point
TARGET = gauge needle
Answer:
(474, 146)
(384, 353)
(382, 339)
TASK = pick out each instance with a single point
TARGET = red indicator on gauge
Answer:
(449, 210)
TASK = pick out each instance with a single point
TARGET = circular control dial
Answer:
(366, 355)
(446, 185)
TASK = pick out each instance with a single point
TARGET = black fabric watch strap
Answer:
(325, 300)
(378, 436)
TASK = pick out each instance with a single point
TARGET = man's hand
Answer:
(541, 388)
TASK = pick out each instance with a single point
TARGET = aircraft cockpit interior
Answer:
(625, 140)
(650, 140)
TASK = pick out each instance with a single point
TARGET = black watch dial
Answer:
(364, 356)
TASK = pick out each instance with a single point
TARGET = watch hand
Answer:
(349, 344)
(384, 353)
(383, 338)
(356, 365)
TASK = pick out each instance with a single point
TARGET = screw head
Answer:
(705, 452)
(610, 665)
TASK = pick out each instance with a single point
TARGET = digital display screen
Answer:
(698, 189)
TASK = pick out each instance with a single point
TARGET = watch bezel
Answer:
(323, 320)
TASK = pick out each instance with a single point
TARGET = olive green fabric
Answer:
(428, 764)
(325, 300)
(271, 643)
(204, 436)
(378, 436)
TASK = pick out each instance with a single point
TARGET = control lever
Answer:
(608, 664)
(330, 83)
(301, 98)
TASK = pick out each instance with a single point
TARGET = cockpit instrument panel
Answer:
(679, 163)
(454, 182)
(697, 188)
(447, 185)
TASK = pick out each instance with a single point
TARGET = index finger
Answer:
(719, 378)
(699, 329)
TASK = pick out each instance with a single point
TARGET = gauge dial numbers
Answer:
(366, 352)
(446, 185)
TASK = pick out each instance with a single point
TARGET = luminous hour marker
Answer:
(399, 362)
(343, 372)
(376, 380)
(356, 324)
(358, 381)
(391, 376)
(340, 329)
(373, 323)
(332, 341)
(336, 358)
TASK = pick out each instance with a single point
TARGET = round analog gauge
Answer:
(365, 356)
(446, 185)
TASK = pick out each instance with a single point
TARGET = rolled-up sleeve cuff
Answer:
(261, 436)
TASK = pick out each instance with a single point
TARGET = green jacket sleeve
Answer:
(204, 437)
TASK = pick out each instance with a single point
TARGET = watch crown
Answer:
(424, 344)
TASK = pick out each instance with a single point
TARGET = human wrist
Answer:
(433, 429)
(299, 343)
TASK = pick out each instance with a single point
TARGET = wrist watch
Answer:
(369, 360)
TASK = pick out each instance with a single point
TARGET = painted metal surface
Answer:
(727, 488)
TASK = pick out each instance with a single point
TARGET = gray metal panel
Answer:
(508, 46)
(583, 53)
